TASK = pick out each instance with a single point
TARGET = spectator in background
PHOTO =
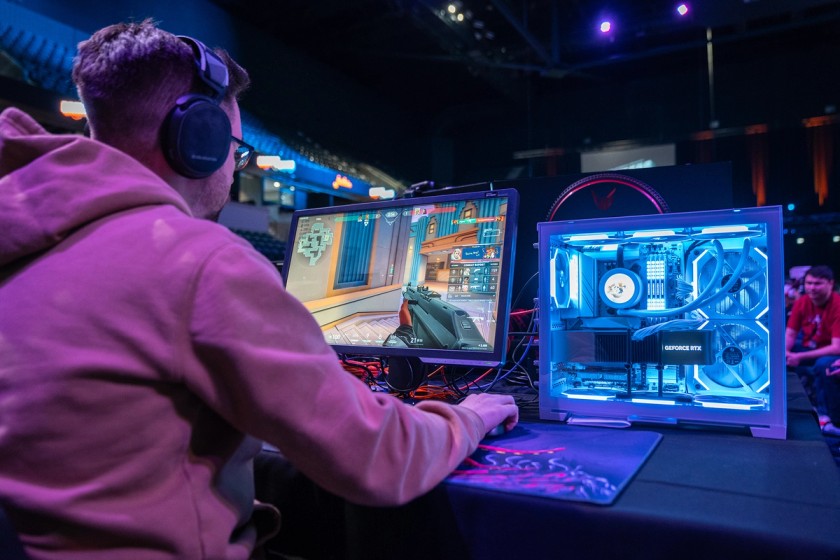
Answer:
(794, 286)
(830, 383)
(812, 337)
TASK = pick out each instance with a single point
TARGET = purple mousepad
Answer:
(582, 464)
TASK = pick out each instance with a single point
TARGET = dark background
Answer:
(520, 88)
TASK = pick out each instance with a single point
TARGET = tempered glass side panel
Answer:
(664, 318)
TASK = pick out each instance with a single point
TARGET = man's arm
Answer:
(261, 362)
(795, 358)
(790, 339)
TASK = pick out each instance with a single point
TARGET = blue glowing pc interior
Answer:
(439, 264)
(669, 318)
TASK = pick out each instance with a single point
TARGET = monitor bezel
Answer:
(492, 358)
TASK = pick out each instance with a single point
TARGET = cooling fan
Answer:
(747, 297)
(740, 350)
(560, 281)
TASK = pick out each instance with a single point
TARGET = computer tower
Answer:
(673, 318)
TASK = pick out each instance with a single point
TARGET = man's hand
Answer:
(792, 359)
(493, 409)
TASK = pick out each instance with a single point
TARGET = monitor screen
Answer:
(427, 277)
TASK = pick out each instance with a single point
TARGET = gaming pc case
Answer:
(668, 318)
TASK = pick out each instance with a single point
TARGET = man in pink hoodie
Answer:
(147, 351)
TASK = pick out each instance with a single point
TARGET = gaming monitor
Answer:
(426, 278)
(668, 318)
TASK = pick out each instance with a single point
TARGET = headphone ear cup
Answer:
(196, 137)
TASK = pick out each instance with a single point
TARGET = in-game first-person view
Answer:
(423, 275)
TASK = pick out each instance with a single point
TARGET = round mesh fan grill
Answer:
(749, 292)
(741, 356)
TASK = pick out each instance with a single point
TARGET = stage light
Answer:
(381, 192)
(682, 9)
(605, 27)
(836, 239)
(73, 109)
(800, 240)
(791, 207)
(276, 163)
(452, 8)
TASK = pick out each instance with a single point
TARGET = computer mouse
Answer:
(497, 431)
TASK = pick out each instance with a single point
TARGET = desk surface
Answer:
(702, 493)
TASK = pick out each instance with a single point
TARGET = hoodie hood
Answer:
(50, 185)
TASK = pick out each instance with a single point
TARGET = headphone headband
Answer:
(211, 68)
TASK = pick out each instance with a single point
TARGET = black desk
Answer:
(708, 494)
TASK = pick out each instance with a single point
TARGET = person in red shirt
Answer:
(830, 384)
(812, 337)
(813, 329)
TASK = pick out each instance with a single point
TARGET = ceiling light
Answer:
(682, 9)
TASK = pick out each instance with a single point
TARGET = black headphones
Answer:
(196, 132)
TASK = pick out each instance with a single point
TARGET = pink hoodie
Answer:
(139, 346)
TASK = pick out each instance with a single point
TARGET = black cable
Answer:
(522, 289)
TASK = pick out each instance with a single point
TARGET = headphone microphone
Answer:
(196, 132)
